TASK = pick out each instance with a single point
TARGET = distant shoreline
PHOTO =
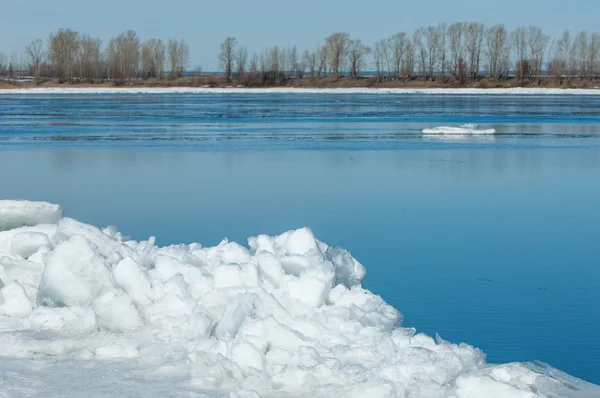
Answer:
(74, 89)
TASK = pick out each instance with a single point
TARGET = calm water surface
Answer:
(492, 241)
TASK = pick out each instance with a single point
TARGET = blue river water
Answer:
(492, 241)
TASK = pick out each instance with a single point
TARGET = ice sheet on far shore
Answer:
(87, 311)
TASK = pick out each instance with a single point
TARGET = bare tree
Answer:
(497, 50)
(456, 39)
(179, 55)
(124, 55)
(409, 60)
(594, 55)
(323, 57)
(581, 44)
(227, 56)
(183, 57)
(3, 64)
(441, 39)
(242, 60)
(357, 52)
(558, 67)
(254, 64)
(64, 46)
(153, 58)
(519, 40)
(35, 56)
(378, 58)
(337, 49)
(90, 58)
(421, 50)
(537, 43)
(474, 40)
(398, 45)
(310, 60)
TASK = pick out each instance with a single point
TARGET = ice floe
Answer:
(462, 131)
(88, 311)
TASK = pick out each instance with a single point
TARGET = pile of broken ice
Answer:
(285, 317)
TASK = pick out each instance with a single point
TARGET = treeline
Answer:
(461, 52)
(73, 57)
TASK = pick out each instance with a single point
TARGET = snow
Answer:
(85, 309)
(457, 131)
(291, 90)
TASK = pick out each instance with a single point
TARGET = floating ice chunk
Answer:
(74, 275)
(13, 301)
(14, 214)
(465, 129)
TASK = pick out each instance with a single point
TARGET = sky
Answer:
(259, 24)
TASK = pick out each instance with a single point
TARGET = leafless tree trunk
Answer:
(242, 60)
(179, 55)
(474, 39)
(421, 49)
(519, 40)
(456, 38)
(357, 52)
(124, 55)
(64, 46)
(441, 37)
(538, 42)
(310, 60)
(35, 55)
(378, 58)
(292, 59)
(398, 44)
(409, 60)
(581, 43)
(323, 57)
(91, 58)
(227, 56)
(559, 65)
(594, 55)
(3, 64)
(337, 49)
(497, 50)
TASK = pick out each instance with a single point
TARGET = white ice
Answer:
(283, 90)
(85, 311)
(462, 131)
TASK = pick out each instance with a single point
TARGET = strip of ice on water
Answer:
(88, 312)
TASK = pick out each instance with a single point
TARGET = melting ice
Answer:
(88, 311)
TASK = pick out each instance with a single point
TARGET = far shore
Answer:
(306, 84)
(324, 85)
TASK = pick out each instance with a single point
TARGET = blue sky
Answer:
(269, 22)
